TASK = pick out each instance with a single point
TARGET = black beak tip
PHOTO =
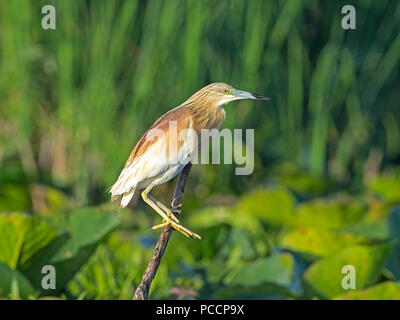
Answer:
(260, 97)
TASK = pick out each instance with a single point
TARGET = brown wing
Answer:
(181, 115)
(133, 173)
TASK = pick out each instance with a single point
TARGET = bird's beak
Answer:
(240, 94)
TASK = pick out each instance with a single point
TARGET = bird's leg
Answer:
(168, 211)
(168, 220)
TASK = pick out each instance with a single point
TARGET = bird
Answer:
(158, 156)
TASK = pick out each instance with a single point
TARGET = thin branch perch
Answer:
(142, 291)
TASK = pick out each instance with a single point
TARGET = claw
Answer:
(171, 214)
(158, 226)
(177, 209)
(177, 227)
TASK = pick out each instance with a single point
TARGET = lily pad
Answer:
(330, 214)
(274, 206)
(319, 242)
(210, 216)
(21, 237)
(12, 280)
(324, 277)
(276, 269)
(379, 230)
(386, 186)
(388, 290)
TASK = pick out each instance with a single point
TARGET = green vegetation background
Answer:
(325, 190)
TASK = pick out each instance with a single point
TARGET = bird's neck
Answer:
(209, 115)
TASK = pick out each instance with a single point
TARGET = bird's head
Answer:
(221, 93)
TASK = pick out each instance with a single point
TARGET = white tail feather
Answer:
(126, 198)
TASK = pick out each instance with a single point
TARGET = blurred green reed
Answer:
(73, 101)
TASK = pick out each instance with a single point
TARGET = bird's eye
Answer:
(226, 91)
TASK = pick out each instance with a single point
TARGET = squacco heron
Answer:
(155, 161)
